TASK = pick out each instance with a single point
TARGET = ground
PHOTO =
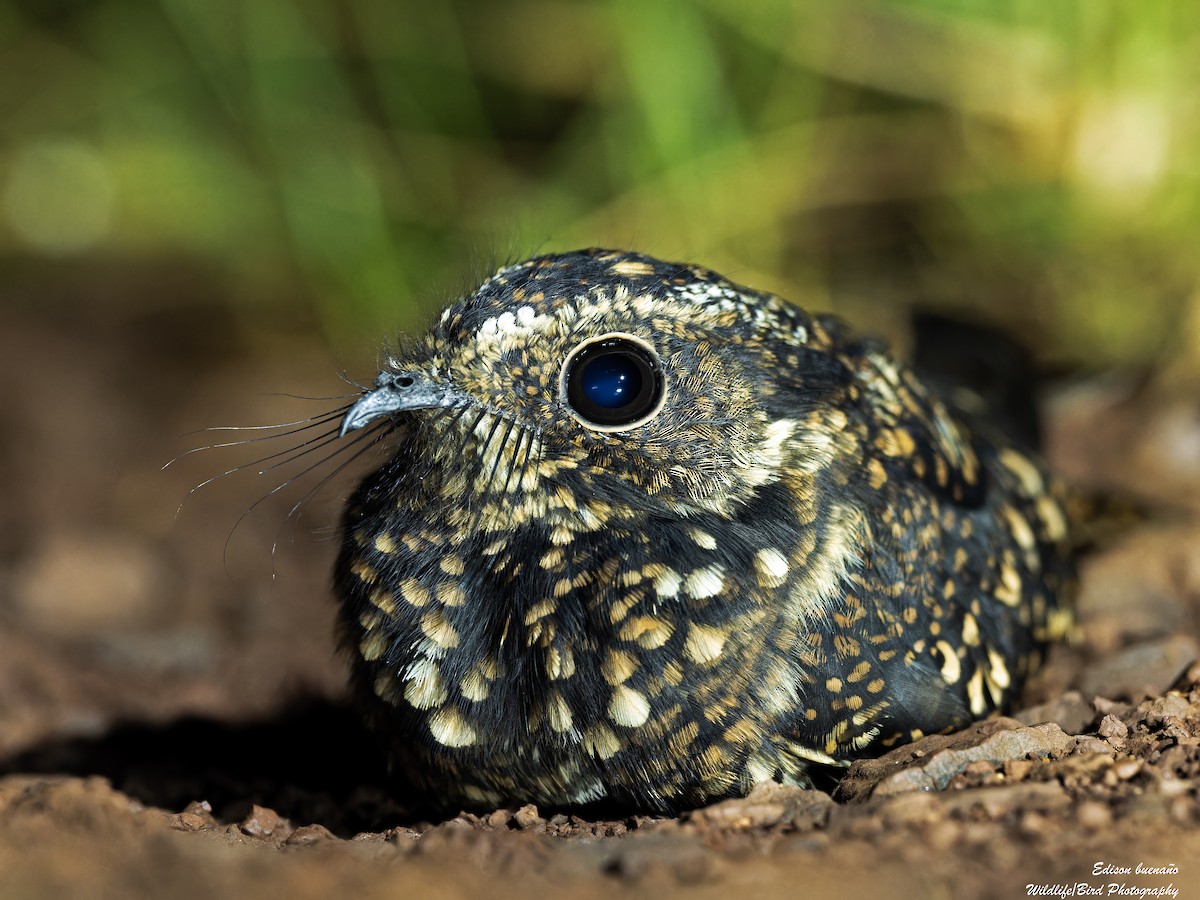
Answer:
(171, 714)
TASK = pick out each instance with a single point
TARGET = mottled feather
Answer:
(793, 552)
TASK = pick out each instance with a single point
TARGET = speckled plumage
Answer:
(802, 557)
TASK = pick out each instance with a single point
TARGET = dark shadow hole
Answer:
(313, 763)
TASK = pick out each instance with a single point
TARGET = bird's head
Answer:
(597, 382)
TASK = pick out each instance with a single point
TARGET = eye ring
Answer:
(613, 382)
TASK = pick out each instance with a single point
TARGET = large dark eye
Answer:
(613, 382)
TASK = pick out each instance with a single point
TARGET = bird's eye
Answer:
(613, 382)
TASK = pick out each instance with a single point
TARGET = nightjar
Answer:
(647, 537)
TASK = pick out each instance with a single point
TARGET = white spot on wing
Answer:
(449, 729)
(667, 584)
(706, 582)
(423, 686)
(628, 707)
(771, 566)
(704, 643)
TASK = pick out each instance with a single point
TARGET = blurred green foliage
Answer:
(1035, 162)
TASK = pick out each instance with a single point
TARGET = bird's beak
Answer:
(397, 391)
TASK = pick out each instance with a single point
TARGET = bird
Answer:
(644, 537)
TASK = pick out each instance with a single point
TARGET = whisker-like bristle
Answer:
(541, 451)
(499, 453)
(533, 439)
(309, 446)
(456, 417)
(377, 433)
(363, 388)
(467, 437)
(357, 393)
(360, 445)
(289, 454)
(487, 442)
(522, 434)
(307, 422)
(305, 425)
(452, 424)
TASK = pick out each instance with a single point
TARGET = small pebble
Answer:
(1176, 787)
(1094, 815)
(1071, 712)
(1126, 768)
(527, 817)
(1162, 709)
(1017, 769)
(1089, 744)
(309, 834)
(263, 822)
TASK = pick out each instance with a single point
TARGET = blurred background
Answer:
(349, 166)
(207, 204)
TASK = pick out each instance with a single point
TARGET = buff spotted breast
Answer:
(647, 537)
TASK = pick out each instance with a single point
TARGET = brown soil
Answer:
(171, 714)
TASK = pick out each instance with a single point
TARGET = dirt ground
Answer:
(171, 714)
